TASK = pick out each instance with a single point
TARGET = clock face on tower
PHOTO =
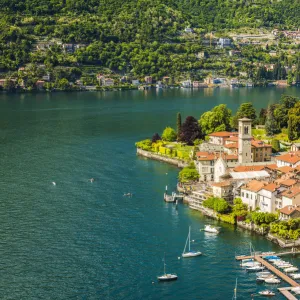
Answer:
(246, 142)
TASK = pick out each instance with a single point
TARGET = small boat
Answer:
(291, 269)
(189, 253)
(295, 275)
(265, 273)
(272, 280)
(165, 276)
(296, 290)
(267, 293)
(250, 264)
(255, 269)
(211, 229)
(263, 278)
(247, 260)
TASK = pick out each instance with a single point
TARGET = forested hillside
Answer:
(141, 36)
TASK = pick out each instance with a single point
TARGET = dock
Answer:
(287, 294)
(173, 197)
(286, 290)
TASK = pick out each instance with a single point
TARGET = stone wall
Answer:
(173, 161)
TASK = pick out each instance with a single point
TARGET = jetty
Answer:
(174, 197)
(259, 257)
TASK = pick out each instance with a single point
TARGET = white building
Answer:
(267, 197)
(291, 159)
(249, 193)
(219, 138)
(291, 196)
(206, 161)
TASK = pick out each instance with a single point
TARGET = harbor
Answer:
(260, 258)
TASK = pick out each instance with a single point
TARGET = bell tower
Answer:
(245, 138)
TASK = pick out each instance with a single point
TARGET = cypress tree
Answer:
(271, 124)
(291, 135)
(178, 124)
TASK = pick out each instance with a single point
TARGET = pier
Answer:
(284, 291)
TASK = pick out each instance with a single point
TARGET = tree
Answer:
(221, 205)
(178, 124)
(169, 134)
(155, 138)
(275, 146)
(188, 174)
(246, 110)
(262, 116)
(271, 124)
(218, 119)
(290, 78)
(63, 84)
(239, 208)
(291, 134)
(190, 131)
(281, 110)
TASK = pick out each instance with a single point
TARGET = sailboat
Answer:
(165, 276)
(189, 253)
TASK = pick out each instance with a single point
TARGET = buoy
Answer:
(152, 282)
(178, 257)
(166, 173)
(193, 241)
(53, 183)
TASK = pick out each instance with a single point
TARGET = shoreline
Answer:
(212, 214)
(121, 89)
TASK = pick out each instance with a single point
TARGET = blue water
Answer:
(83, 240)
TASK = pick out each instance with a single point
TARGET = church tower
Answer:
(245, 138)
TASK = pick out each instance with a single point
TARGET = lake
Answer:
(85, 240)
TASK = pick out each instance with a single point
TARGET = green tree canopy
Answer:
(218, 119)
(188, 174)
(169, 134)
(246, 110)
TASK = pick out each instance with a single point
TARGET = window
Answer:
(242, 194)
(204, 177)
(247, 195)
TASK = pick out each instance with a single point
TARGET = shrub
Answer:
(145, 145)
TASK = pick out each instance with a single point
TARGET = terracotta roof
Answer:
(272, 166)
(248, 168)
(289, 209)
(260, 144)
(292, 192)
(285, 169)
(202, 156)
(221, 134)
(221, 184)
(254, 185)
(271, 187)
(287, 182)
(292, 157)
(231, 146)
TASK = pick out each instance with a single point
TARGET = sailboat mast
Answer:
(235, 289)
(165, 263)
(189, 238)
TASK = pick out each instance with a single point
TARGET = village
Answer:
(222, 61)
(235, 165)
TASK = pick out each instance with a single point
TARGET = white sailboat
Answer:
(189, 253)
(165, 276)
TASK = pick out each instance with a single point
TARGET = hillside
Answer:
(138, 36)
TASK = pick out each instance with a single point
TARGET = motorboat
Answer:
(296, 290)
(272, 280)
(291, 269)
(166, 276)
(189, 253)
(250, 264)
(247, 260)
(295, 275)
(263, 273)
(255, 269)
(209, 228)
(267, 293)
